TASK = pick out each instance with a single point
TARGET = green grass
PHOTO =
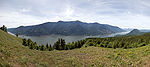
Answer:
(13, 53)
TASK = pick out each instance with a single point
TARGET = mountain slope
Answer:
(66, 28)
(14, 54)
(135, 32)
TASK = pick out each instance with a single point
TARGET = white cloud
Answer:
(69, 11)
(15, 19)
(122, 13)
(128, 21)
(25, 10)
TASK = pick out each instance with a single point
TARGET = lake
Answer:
(51, 39)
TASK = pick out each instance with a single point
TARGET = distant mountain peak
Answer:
(96, 23)
(70, 21)
(60, 21)
(134, 32)
(20, 26)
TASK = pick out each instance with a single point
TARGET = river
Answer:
(51, 39)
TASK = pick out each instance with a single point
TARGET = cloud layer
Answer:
(122, 13)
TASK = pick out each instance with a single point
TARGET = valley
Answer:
(51, 39)
(74, 33)
(13, 53)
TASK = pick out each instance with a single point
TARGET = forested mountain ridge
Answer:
(66, 28)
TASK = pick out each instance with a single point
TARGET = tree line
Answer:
(110, 42)
(3, 28)
(58, 45)
(119, 42)
(33, 45)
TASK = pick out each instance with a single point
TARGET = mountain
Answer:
(135, 32)
(66, 28)
(145, 30)
(128, 29)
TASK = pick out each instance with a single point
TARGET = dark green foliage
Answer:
(50, 47)
(33, 45)
(60, 44)
(16, 35)
(25, 43)
(30, 44)
(56, 45)
(37, 47)
(47, 45)
(111, 42)
(120, 42)
(3, 28)
(73, 45)
(42, 48)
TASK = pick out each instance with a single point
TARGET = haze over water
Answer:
(51, 39)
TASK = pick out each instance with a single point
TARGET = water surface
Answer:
(51, 39)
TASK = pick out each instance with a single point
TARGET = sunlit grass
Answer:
(13, 53)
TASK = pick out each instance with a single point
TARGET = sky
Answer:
(121, 13)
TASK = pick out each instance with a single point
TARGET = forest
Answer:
(124, 42)
(58, 45)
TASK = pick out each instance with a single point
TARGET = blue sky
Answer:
(121, 13)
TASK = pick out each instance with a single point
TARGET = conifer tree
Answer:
(16, 35)
(4, 28)
(62, 43)
(50, 47)
(37, 47)
(56, 45)
(24, 42)
(42, 48)
(47, 45)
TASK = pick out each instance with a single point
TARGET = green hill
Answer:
(13, 53)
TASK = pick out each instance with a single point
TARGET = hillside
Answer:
(135, 32)
(13, 53)
(66, 28)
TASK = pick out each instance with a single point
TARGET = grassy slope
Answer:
(13, 53)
